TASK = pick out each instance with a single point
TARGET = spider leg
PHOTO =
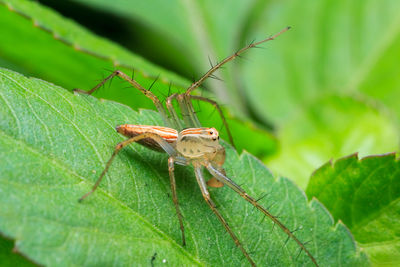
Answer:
(207, 198)
(172, 111)
(164, 144)
(146, 92)
(188, 114)
(185, 100)
(220, 176)
(231, 57)
(221, 114)
(175, 197)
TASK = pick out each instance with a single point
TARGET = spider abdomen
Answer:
(130, 130)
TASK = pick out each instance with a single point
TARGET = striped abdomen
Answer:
(168, 134)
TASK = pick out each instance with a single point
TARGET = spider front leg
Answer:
(211, 204)
(162, 143)
(136, 85)
(210, 72)
(185, 104)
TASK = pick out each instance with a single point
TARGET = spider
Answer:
(198, 146)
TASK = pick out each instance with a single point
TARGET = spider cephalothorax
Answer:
(197, 143)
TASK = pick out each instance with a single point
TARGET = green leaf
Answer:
(54, 144)
(332, 126)
(365, 195)
(380, 79)
(37, 41)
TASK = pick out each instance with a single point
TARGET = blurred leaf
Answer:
(332, 127)
(334, 46)
(54, 145)
(365, 195)
(63, 52)
(381, 79)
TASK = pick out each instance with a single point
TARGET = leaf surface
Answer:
(54, 145)
(336, 47)
(332, 126)
(364, 194)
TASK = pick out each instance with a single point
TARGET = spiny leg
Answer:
(189, 116)
(217, 174)
(207, 198)
(164, 144)
(172, 111)
(185, 104)
(184, 100)
(227, 59)
(136, 85)
(221, 114)
(187, 111)
(171, 168)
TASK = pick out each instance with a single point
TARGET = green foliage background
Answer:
(326, 89)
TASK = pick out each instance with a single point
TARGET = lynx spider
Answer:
(198, 146)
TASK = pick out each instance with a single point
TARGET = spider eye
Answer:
(211, 132)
